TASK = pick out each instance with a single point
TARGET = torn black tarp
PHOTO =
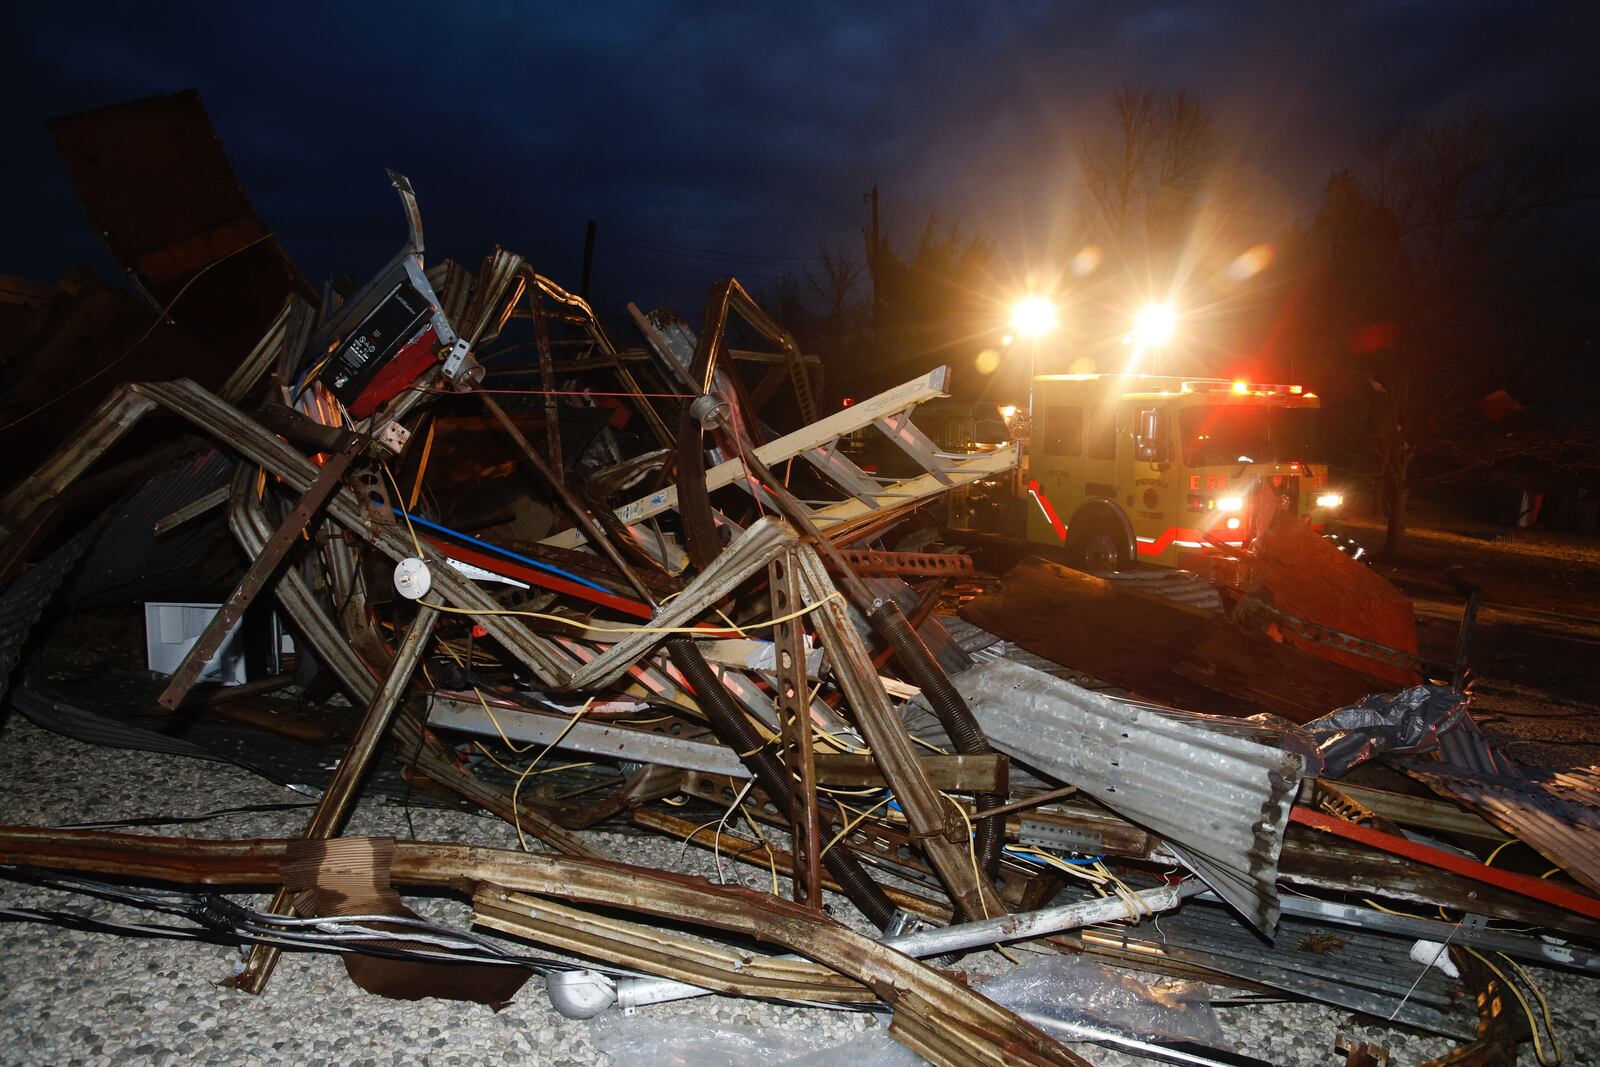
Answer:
(1408, 722)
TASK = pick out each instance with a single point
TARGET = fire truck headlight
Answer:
(1329, 500)
(1233, 522)
(1230, 503)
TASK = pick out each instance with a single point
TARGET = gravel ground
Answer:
(74, 997)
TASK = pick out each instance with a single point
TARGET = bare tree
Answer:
(1145, 171)
(836, 287)
(1415, 260)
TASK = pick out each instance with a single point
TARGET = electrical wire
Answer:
(516, 790)
(159, 319)
(807, 610)
(673, 247)
(1533, 1023)
(217, 918)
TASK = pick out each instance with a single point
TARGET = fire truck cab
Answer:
(1161, 470)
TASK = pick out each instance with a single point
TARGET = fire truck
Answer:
(1161, 470)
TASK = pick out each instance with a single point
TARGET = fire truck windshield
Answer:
(1220, 434)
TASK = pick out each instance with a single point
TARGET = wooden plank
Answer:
(842, 422)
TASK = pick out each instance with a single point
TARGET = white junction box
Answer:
(170, 630)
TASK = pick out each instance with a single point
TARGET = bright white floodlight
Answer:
(1034, 316)
(1154, 325)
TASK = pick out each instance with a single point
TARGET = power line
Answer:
(615, 245)
(1515, 209)
(671, 246)
(697, 270)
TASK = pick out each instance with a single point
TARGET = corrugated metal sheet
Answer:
(1221, 802)
(1556, 812)
(29, 595)
(155, 182)
(1348, 968)
(129, 562)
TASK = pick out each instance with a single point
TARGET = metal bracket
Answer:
(1065, 838)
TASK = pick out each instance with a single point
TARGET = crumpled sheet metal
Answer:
(1406, 722)
(26, 598)
(1556, 812)
(1221, 802)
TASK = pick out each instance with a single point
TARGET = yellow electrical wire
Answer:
(516, 790)
(972, 850)
(1544, 1005)
(772, 860)
(416, 542)
(851, 825)
(847, 792)
(1527, 1009)
(497, 728)
(422, 466)
(1501, 847)
(808, 609)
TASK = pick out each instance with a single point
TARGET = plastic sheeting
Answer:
(1408, 722)
(1062, 994)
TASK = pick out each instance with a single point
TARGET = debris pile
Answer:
(573, 583)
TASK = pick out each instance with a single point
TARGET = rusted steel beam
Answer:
(339, 795)
(661, 952)
(256, 577)
(908, 564)
(937, 823)
(935, 1016)
(547, 381)
(987, 773)
(794, 735)
(1558, 896)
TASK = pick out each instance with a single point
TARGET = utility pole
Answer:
(588, 260)
(871, 197)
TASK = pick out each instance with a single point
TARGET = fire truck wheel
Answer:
(1100, 549)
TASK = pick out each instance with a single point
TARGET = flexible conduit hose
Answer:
(924, 672)
(737, 733)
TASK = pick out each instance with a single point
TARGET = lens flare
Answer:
(1087, 259)
(988, 361)
(1250, 262)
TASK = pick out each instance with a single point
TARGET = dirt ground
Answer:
(1536, 650)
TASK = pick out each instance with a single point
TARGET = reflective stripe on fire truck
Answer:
(1049, 511)
(1154, 546)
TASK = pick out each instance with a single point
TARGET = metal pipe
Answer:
(637, 992)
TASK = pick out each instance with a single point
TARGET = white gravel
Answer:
(70, 997)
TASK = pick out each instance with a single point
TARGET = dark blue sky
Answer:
(745, 127)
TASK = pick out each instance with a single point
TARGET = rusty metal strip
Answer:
(660, 952)
(935, 821)
(256, 577)
(935, 1016)
(1545, 892)
(794, 721)
(547, 382)
(339, 796)
(909, 564)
